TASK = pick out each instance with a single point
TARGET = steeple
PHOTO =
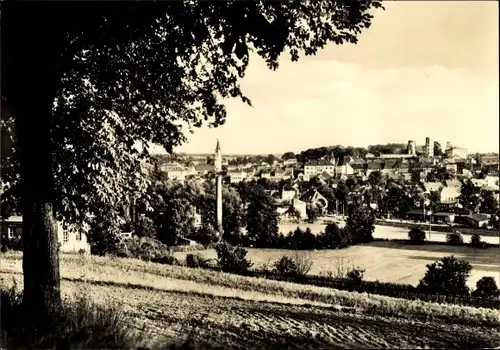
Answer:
(218, 157)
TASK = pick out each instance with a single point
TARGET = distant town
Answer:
(430, 168)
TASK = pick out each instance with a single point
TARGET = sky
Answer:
(422, 69)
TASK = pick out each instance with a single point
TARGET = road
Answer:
(387, 232)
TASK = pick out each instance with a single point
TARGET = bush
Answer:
(13, 243)
(486, 287)
(475, 241)
(302, 239)
(80, 324)
(355, 275)
(232, 259)
(447, 276)
(334, 237)
(204, 235)
(416, 235)
(145, 227)
(104, 238)
(360, 224)
(147, 249)
(454, 238)
(196, 260)
(297, 265)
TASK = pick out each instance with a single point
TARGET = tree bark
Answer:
(30, 79)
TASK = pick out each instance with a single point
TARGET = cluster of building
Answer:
(398, 166)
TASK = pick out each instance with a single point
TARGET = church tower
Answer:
(218, 179)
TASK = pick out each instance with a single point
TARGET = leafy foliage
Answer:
(334, 237)
(297, 265)
(469, 195)
(486, 287)
(261, 216)
(302, 239)
(204, 235)
(147, 249)
(145, 227)
(355, 275)
(454, 238)
(475, 241)
(416, 235)
(313, 212)
(447, 276)
(140, 72)
(489, 204)
(360, 225)
(232, 259)
(232, 208)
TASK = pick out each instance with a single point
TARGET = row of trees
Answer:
(341, 151)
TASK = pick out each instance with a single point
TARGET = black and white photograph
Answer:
(249, 174)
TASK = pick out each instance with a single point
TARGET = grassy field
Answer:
(165, 303)
(385, 261)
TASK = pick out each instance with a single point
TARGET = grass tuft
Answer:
(81, 324)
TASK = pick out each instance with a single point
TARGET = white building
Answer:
(456, 152)
(429, 147)
(69, 240)
(291, 161)
(237, 176)
(178, 173)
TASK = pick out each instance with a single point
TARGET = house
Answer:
(442, 217)
(389, 167)
(479, 182)
(278, 175)
(203, 169)
(449, 195)
(301, 207)
(69, 240)
(450, 165)
(177, 173)
(288, 174)
(456, 152)
(288, 193)
(237, 176)
(492, 180)
(432, 186)
(314, 197)
(453, 183)
(487, 159)
(477, 220)
(373, 166)
(316, 167)
(265, 174)
(290, 161)
(358, 167)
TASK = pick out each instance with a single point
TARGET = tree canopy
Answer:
(87, 82)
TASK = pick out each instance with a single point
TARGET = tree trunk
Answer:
(29, 83)
(40, 242)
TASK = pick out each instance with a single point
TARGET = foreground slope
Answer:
(167, 303)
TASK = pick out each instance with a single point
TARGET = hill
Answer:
(166, 303)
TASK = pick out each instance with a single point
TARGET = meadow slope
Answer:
(165, 303)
